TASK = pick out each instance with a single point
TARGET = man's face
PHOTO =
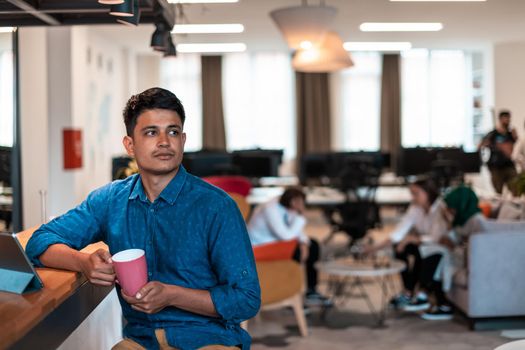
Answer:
(157, 142)
(505, 121)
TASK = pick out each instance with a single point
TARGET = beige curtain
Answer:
(213, 132)
(313, 113)
(391, 107)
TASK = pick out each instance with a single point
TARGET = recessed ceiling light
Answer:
(212, 47)
(207, 28)
(201, 1)
(7, 29)
(400, 27)
(377, 46)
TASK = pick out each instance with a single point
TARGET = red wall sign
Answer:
(72, 148)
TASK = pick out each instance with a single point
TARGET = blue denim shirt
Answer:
(193, 235)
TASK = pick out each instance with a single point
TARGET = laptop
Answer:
(17, 274)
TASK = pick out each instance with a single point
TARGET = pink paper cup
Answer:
(132, 272)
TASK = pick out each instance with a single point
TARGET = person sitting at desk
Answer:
(416, 241)
(282, 219)
(202, 276)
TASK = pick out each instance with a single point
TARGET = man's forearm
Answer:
(61, 256)
(193, 300)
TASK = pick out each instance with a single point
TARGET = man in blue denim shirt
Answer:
(202, 276)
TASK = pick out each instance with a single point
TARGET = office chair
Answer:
(358, 180)
(446, 173)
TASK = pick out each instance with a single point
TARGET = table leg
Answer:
(365, 295)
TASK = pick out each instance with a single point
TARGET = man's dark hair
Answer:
(504, 113)
(289, 194)
(153, 98)
(428, 185)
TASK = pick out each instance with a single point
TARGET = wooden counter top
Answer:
(21, 314)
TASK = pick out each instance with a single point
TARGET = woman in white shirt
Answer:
(416, 241)
(282, 219)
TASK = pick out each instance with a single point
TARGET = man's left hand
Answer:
(151, 298)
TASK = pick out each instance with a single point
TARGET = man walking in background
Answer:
(501, 142)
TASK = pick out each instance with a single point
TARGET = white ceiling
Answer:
(467, 25)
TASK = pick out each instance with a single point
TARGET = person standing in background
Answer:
(501, 142)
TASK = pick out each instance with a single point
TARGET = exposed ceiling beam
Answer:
(34, 12)
(69, 12)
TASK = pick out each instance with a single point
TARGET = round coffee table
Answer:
(346, 275)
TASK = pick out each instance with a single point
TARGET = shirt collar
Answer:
(169, 194)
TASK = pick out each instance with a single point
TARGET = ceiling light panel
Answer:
(400, 27)
(207, 28)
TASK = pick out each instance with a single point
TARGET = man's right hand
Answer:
(98, 268)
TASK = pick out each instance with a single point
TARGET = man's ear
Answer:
(127, 141)
(183, 140)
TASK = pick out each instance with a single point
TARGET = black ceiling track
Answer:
(21, 13)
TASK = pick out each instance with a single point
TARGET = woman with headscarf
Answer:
(464, 216)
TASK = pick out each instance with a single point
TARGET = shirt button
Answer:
(149, 274)
(152, 210)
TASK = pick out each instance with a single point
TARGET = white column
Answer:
(33, 101)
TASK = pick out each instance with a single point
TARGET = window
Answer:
(356, 104)
(182, 76)
(6, 95)
(259, 102)
(435, 99)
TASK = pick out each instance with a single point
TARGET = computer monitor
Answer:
(204, 163)
(342, 159)
(258, 163)
(419, 160)
(5, 165)
(314, 167)
(415, 161)
(471, 162)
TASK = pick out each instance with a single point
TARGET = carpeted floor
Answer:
(350, 325)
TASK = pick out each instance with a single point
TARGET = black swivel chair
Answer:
(359, 181)
(446, 173)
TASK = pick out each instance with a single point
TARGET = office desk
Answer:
(44, 319)
(280, 181)
(326, 196)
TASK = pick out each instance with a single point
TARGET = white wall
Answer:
(70, 77)
(99, 95)
(33, 121)
(148, 71)
(509, 81)
(59, 89)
